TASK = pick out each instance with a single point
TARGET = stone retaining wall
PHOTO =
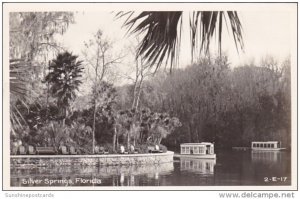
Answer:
(32, 161)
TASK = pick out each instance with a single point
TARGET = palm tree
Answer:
(161, 32)
(18, 92)
(64, 79)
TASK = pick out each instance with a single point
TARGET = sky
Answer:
(266, 33)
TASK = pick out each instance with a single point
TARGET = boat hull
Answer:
(198, 156)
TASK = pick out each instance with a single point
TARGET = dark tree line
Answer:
(216, 103)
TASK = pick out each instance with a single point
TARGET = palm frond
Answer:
(64, 78)
(18, 91)
(162, 33)
(236, 27)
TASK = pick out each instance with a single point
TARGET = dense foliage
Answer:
(215, 103)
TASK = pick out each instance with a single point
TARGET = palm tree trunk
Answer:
(64, 116)
(138, 94)
(117, 141)
(114, 138)
(94, 126)
(128, 139)
(159, 140)
(134, 96)
(47, 103)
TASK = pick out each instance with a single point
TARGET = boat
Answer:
(266, 146)
(197, 150)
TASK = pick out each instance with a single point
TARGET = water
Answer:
(230, 168)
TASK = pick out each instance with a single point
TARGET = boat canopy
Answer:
(197, 144)
(265, 144)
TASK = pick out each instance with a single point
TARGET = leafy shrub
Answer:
(143, 148)
(163, 148)
(109, 147)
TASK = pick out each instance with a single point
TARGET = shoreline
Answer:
(32, 161)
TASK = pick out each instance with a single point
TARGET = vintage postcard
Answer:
(150, 96)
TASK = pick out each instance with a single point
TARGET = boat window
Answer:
(272, 145)
(254, 145)
(269, 145)
(196, 150)
(202, 149)
(184, 149)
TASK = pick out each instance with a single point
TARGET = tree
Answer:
(33, 32)
(100, 58)
(104, 101)
(141, 70)
(31, 40)
(143, 126)
(64, 79)
(123, 123)
(162, 32)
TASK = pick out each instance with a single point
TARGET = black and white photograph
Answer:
(150, 96)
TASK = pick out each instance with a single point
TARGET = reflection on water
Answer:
(266, 156)
(230, 168)
(124, 175)
(199, 166)
(251, 168)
